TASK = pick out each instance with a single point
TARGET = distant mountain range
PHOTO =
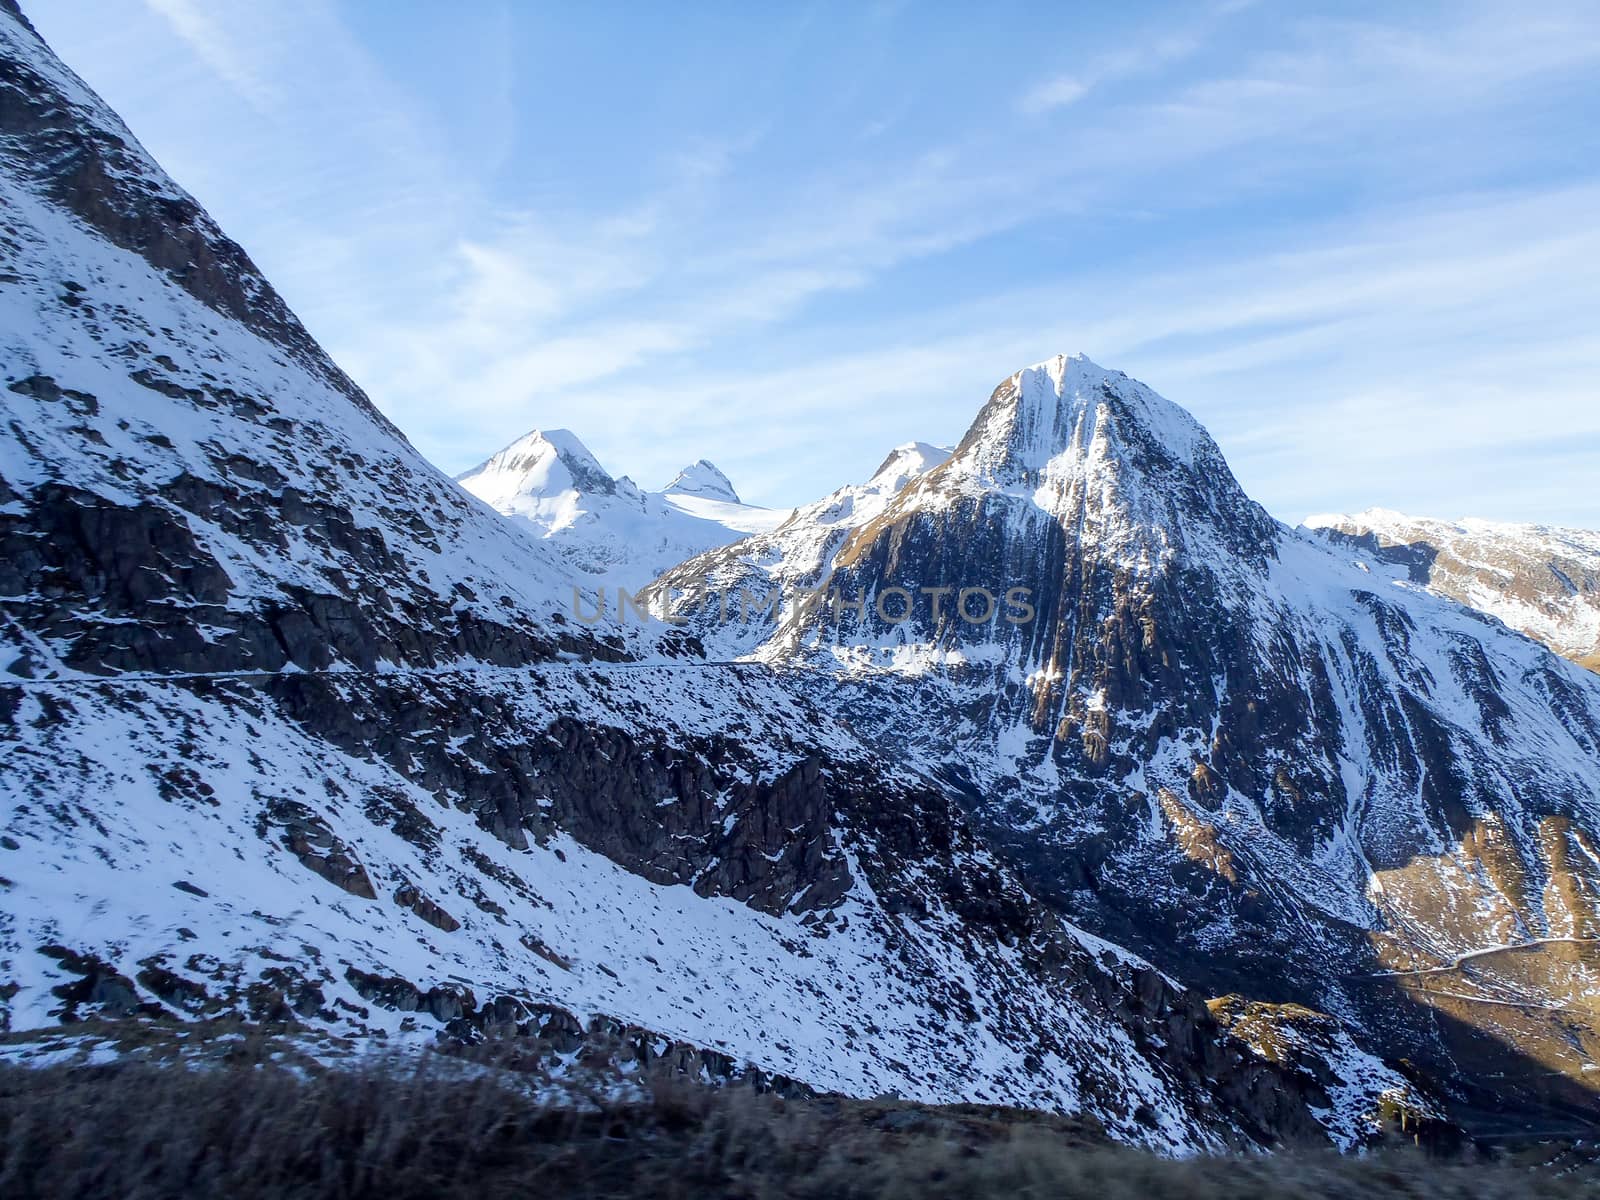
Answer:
(606, 527)
(1541, 580)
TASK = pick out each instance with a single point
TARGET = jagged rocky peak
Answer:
(702, 478)
(1068, 403)
(1103, 456)
(545, 462)
(1266, 766)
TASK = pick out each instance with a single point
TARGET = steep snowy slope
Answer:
(607, 527)
(1541, 580)
(292, 727)
(1267, 767)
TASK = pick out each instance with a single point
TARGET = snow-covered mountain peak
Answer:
(702, 478)
(543, 463)
(1383, 521)
(575, 455)
(1392, 526)
(610, 527)
(1059, 412)
(905, 462)
(1100, 455)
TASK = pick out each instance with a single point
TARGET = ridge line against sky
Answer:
(1358, 244)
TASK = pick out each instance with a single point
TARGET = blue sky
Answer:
(1360, 242)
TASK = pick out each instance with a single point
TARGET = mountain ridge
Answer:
(1541, 580)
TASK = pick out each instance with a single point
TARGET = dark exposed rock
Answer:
(1304, 1045)
(603, 1041)
(129, 588)
(307, 836)
(408, 895)
(176, 991)
(99, 990)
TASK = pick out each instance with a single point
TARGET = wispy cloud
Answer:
(1150, 54)
(209, 36)
(1053, 93)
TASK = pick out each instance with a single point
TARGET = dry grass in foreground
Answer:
(433, 1128)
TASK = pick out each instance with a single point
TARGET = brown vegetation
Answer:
(438, 1128)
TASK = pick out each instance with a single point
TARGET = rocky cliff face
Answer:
(293, 728)
(1266, 767)
(1540, 580)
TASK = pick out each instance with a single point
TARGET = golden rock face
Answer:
(1511, 923)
